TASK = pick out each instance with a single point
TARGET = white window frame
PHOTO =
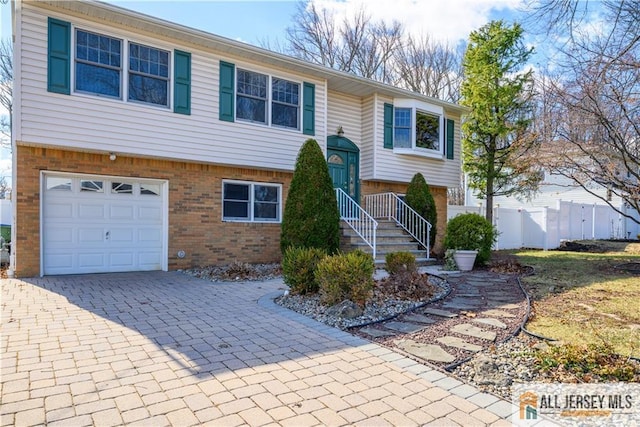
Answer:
(124, 67)
(419, 106)
(269, 100)
(251, 201)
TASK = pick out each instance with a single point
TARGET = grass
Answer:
(581, 298)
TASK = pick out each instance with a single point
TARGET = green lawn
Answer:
(581, 298)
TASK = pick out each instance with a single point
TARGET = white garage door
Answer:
(95, 224)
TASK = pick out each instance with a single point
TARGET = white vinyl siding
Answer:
(345, 111)
(369, 137)
(92, 123)
(390, 166)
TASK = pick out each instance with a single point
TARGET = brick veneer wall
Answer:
(195, 207)
(439, 196)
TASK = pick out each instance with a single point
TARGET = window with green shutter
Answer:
(450, 140)
(59, 56)
(308, 111)
(388, 126)
(227, 90)
(182, 82)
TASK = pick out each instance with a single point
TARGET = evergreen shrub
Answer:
(298, 269)
(471, 231)
(400, 262)
(420, 199)
(345, 276)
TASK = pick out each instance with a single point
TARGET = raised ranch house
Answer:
(140, 144)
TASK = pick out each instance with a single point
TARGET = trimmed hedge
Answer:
(345, 276)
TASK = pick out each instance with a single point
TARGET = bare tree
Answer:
(375, 50)
(591, 108)
(430, 68)
(6, 88)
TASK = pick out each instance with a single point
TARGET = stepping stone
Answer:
(480, 283)
(469, 295)
(459, 305)
(498, 313)
(459, 343)
(418, 318)
(404, 327)
(491, 322)
(474, 331)
(508, 306)
(441, 313)
(431, 352)
(376, 333)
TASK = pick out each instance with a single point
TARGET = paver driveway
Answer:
(167, 349)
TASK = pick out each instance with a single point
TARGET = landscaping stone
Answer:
(431, 352)
(346, 310)
(404, 327)
(418, 318)
(438, 312)
(376, 333)
(458, 343)
(487, 373)
(474, 331)
(498, 313)
(491, 321)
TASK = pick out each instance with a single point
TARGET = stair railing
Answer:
(357, 218)
(392, 207)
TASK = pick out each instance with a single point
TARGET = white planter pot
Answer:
(465, 259)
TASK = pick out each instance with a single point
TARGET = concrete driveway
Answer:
(167, 349)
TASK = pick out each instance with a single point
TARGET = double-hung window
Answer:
(251, 202)
(98, 64)
(418, 128)
(252, 97)
(270, 100)
(148, 74)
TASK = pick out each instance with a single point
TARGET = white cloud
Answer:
(446, 21)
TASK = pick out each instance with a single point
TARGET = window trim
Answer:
(88, 62)
(418, 106)
(168, 80)
(269, 101)
(251, 201)
(124, 67)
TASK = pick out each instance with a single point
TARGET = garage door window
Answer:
(251, 202)
(150, 189)
(55, 183)
(91, 186)
(121, 188)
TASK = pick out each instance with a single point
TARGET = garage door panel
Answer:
(120, 235)
(60, 235)
(93, 211)
(89, 230)
(90, 235)
(122, 259)
(121, 212)
(91, 260)
(59, 210)
(150, 213)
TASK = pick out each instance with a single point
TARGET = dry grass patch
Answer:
(582, 298)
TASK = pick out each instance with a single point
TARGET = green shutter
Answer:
(388, 126)
(59, 57)
(450, 133)
(227, 90)
(309, 109)
(182, 82)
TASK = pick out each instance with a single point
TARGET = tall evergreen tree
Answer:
(420, 199)
(497, 139)
(311, 218)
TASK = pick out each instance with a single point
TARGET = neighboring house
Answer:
(141, 144)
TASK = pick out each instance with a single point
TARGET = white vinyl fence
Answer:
(545, 228)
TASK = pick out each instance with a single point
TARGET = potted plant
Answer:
(471, 236)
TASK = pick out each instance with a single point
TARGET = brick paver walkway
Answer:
(162, 349)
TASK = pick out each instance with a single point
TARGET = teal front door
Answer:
(343, 168)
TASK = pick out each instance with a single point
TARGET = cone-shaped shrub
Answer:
(311, 218)
(420, 199)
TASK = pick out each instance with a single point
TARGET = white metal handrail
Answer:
(392, 207)
(358, 219)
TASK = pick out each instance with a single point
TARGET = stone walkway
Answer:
(166, 349)
(468, 320)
